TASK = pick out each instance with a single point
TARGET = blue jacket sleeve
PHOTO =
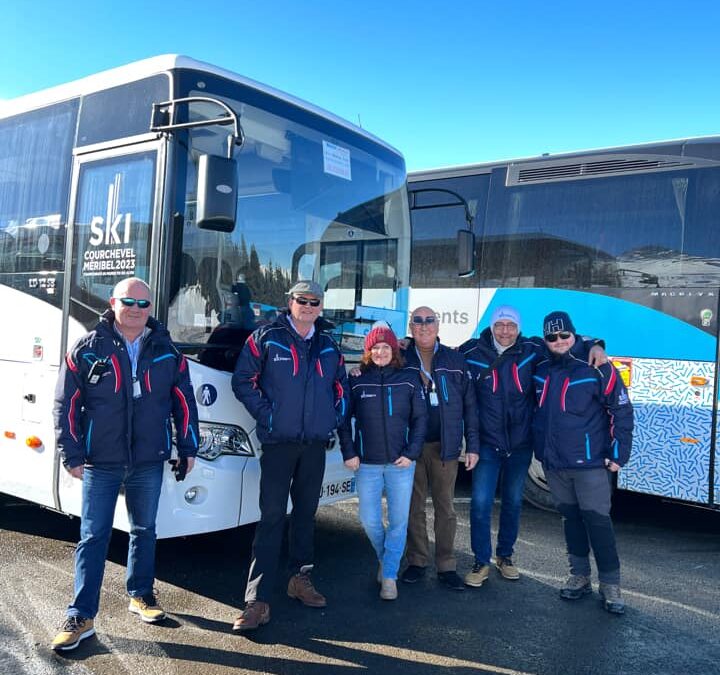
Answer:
(68, 412)
(246, 380)
(342, 391)
(617, 403)
(471, 418)
(184, 411)
(417, 423)
(347, 447)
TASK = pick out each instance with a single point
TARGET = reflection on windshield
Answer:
(310, 205)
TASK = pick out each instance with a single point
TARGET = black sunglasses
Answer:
(562, 335)
(130, 302)
(420, 320)
(307, 301)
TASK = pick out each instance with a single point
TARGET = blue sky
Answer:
(445, 82)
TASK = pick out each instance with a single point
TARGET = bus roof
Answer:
(154, 66)
(673, 147)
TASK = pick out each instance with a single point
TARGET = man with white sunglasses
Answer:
(452, 414)
(117, 389)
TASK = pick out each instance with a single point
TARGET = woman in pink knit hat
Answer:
(388, 405)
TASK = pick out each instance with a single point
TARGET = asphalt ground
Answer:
(671, 579)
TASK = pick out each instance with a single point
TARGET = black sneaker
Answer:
(452, 580)
(413, 574)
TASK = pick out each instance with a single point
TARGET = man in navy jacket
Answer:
(583, 430)
(117, 390)
(291, 378)
(452, 413)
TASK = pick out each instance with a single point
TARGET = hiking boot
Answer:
(301, 588)
(73, 631)
(388, 590)
(147, 608)
(451, 580)
(506, 568)
(477, 576)
(413, 574)
(611, 598)
(575, 587)
(256, 614)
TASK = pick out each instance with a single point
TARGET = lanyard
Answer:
(422, 367)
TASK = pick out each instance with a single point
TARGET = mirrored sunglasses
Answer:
(554, 337)
(307, 301)
(130, 302)
(420, 320)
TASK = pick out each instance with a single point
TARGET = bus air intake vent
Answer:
(595, 167)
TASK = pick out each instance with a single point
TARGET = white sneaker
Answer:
(388, 591)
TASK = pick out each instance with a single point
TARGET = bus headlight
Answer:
(223, 439)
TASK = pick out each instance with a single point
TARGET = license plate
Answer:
(338, 488)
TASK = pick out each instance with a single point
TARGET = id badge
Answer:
(433, 398)
(137, 392)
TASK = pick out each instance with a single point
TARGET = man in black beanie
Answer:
(583, 434)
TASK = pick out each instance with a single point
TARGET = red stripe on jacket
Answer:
(71, 414)
(185, 409)
(118, 373)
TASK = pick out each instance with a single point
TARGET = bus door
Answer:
(113, 207)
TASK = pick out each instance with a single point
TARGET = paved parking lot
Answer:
(671, 558)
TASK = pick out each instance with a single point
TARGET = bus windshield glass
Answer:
(315, 201)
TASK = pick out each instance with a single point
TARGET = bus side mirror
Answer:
(216, 193)
(466, 253)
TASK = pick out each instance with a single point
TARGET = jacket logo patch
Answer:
(366, 395)
(281, 358)
(623, 398)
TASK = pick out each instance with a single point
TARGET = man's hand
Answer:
(403, 343)
(471, 459)
(402, 462)
(353, 463)
(597, 356)
(355, 371)
(611, 466)
(190, 464)
(77, 471)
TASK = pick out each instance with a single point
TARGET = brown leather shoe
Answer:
(301, 588)
(256, 614)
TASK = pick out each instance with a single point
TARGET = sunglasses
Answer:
(420, 320)
(131, 302)
(307, 301)
(554, 337)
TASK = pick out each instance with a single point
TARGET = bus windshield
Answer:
(315, 201)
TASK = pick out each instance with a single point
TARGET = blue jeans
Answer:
(484, 483)
(100, 489)
(389, 543)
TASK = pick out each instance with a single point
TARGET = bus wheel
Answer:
(536, 490)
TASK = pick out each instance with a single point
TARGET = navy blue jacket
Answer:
(295, 389)
(505, 394)
(102, 424)
(456, 395)
(390, 416)
(584, 414)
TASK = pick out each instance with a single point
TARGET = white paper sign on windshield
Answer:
(336, 160)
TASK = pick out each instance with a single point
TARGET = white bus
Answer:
(625, 239)
(218, 191)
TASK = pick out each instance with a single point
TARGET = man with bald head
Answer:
(117, 389)
(452, 412)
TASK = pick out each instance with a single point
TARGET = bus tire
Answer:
(536, 489)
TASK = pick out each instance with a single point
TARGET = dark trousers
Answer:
(296, 470)
(583, 498)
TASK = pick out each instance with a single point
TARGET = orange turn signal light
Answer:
(10, 434)
(33, 442)
(698, 381)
